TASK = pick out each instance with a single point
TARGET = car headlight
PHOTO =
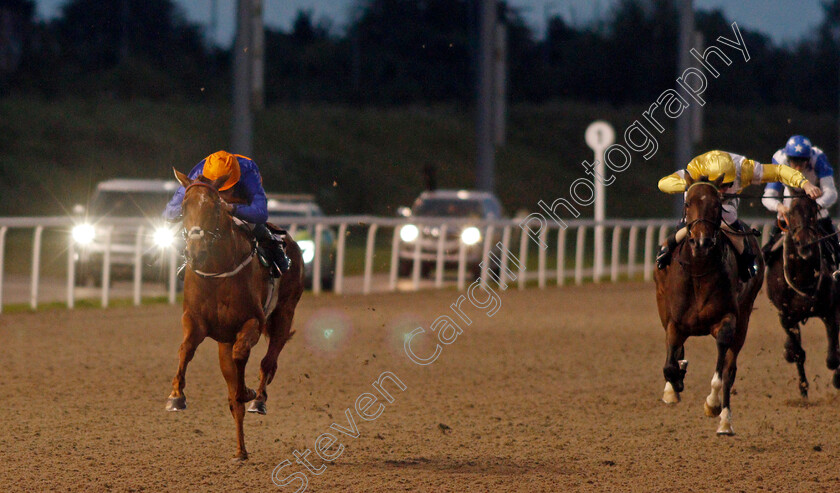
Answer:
(83, 234)
(307, 249)
(163, 237)
(471, 235)
(409, 233)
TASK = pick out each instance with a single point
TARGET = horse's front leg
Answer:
(237, 408)
(674, 369)
(194, 333)
(794, 353)
(832, 359)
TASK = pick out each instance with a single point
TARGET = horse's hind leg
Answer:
(730, 368)
(673, 370)
(794, 352)
(278, 334)
(237, 408)
(712, 404)
(729, 343)
(193, 335)
(832, 359)
(245, 340)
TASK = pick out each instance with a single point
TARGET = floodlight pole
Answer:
(683, 147)
(484, 96)
(243, 118)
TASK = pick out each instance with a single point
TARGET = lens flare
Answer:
(400, 328)
(327, 331)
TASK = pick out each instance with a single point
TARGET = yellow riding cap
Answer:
(737, 171)
(220, 164)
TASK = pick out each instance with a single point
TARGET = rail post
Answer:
(36, 267)
(338, 282)
(369, 244)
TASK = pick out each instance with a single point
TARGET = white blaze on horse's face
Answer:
(195, 233)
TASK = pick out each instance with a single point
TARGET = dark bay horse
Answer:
(800, 286)
(700, 294)
(229, 297)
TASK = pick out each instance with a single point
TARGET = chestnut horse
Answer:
(230, 297)
(700, 294)
(800, 286)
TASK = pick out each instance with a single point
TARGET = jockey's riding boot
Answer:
(746, 259)
(826, 228)
(273, 249)
(767, 249)
(663, 258)
(746, 263)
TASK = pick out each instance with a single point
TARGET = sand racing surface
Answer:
(559, 390)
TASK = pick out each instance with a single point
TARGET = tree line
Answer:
(402, 52)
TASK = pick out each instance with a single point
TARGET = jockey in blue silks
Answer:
(244, 183)
(812, 162)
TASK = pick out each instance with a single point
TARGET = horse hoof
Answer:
(672, 398)
(241, 457)
(832, 363)
(669, 396)
(790, 356)
(257, 406)
(725, 431)
(711, 411)
(250, 395)
(176, 403)
(836, 379)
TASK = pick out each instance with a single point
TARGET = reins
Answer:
(788, 280)
(732, 195)
(230, 273)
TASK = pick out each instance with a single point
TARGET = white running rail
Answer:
(624, 238)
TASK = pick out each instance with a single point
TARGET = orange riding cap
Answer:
(222, 163)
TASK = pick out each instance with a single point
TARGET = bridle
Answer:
(715, 225)
(212, 236)
(790, 232)
(196, 232)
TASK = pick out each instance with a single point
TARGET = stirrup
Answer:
(663, 258)
(748, 270)
(181, 272)
(836, 275)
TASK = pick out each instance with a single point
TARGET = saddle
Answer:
(270, 251)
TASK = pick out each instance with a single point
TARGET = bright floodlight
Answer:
(83, 234)
(471, 235)
(307, 249)
(409, 233)
(164, 237)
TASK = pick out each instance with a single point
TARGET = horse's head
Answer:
(204, 216)
(802, 225)
(703, 212)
